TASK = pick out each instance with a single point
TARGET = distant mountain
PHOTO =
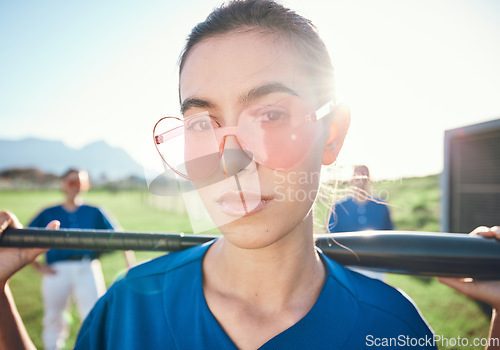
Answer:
(99, 158)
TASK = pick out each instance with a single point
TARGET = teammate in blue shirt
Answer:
(361, 212)
(70, 274)
(351, 215)
(255, 83)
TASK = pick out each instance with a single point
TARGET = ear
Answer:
(339, 124)
(89, 185)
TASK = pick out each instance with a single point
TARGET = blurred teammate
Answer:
(360, 212)
(71, 273)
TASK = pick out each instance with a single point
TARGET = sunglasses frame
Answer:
(320, 113)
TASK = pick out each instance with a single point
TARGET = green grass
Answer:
(132, 209)
(414, 206)
(414, 203)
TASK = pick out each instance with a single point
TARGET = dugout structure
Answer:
(471, 177)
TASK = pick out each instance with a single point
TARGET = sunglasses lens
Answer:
(188, 146)
(281, 135)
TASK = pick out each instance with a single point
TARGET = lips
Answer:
(240, 204)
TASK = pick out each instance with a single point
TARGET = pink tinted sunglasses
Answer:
(277, 136)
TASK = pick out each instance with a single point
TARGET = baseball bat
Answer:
(404, 252)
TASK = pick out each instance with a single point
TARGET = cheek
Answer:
(300, 184)
(297, 188)
(69, 188)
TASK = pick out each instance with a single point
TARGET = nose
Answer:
(234, 159)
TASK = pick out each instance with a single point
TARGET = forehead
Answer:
(226, 66)
(361, 171)
(77, 175)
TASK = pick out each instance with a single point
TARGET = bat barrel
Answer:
(417, 253)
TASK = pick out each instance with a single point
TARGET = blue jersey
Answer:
(85, 217)
(161, 305)
(349, 215)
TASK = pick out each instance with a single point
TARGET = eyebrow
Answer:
(249, 96)
(266, 89)
(195, 103)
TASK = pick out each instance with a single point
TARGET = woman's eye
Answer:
(199, 125)
(275, 115)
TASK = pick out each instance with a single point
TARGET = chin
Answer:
(249, 236)
(263, 230)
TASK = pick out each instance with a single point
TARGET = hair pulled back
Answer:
(269, 16)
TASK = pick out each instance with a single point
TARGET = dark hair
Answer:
(299, 33)
(361, 169)
(70, 171)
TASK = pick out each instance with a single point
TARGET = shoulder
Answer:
(140, 300)
(90, 208)
(87, 209)
(152, 277)
(51, 209)
(168, 263)
(383, 298)
(380, 305)
(47, 213)
(377, 202)
(343, 203)
(346, 200)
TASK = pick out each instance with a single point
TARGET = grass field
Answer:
(414, 206)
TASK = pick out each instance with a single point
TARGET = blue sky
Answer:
(80, 71)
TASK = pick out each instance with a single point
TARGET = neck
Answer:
(73, 203)
(360, 199)
(269, 276)
(361, 194)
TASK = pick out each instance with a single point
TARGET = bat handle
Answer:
(99, 240)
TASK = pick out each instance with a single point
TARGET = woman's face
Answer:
(252, 205)
(75, 183)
